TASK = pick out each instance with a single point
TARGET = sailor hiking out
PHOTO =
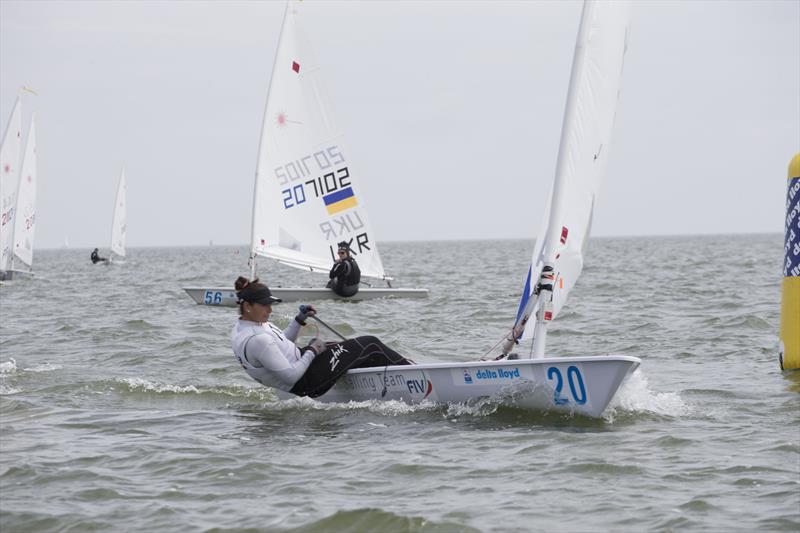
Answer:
(271, 357)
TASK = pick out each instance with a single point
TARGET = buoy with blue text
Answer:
(790, 294)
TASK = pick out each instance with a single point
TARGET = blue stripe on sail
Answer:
(526, 294)
(338, 196)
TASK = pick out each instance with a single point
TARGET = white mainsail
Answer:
(307, 194)
(119, 222)
(10, 152)
(25, 210)
(595, 85)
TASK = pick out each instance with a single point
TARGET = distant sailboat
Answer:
(25, 210)
(10, 156)
(308, 195)
(118, 227)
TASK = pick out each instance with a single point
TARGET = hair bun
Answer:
(240, 283)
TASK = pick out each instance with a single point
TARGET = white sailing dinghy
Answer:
(580, 384)
(25, 210)
(119, 224)
(308, 195)
(10, 152)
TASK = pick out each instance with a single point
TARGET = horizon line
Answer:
(401, 241)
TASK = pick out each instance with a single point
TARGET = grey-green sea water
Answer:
(123, 409)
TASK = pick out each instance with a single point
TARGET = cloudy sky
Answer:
(452, 111)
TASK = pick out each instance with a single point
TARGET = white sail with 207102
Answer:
(308, 194)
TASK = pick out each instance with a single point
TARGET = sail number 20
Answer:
(575, 381)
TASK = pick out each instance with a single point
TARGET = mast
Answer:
(553, 238)
(261, 146)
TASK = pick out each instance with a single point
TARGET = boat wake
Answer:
(478, 408)
(636, 397)
(380, 407)
(139, 386)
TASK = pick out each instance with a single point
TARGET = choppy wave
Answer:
(8, 371)
(8, 367)
(361, 520)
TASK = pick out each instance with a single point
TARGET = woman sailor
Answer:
(271, 357)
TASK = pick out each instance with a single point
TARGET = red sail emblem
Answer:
(564, 232)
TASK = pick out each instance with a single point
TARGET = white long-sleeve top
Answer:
(268, 354)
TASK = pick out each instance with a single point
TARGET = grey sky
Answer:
(452, 112)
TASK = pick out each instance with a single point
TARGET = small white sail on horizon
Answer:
(119, 223)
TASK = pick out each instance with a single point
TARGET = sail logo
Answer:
(791, 247)
(420, 386)
(340, 200)
(499, 373)
(467, 377)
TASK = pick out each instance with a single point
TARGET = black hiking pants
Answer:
(339, 357)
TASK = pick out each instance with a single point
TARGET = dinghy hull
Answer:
(582, 385)
(8, 275)
(225, 297)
